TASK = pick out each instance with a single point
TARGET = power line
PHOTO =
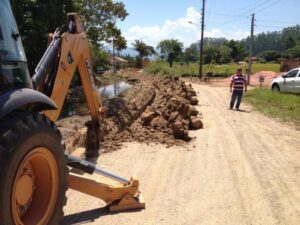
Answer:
(230, 21)
(245, 10)
(250, 5)
(266, 26)
(267, 6)
(234, 18)
(257, 6)
(222, 14)
(277, 21)
(212, 8)
(241, 14)
(209, 6)
(223, 20)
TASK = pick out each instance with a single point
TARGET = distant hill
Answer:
(134, 53)
(131, 52)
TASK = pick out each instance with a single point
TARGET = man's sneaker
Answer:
(237, 109)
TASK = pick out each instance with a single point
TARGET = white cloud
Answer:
(214, 33)
(240, 34)
(179, 29)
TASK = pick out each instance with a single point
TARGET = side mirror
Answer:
(284, 76)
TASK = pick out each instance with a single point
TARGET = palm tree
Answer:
(143, 49)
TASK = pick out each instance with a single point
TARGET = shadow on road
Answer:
(243, 111)
(85, 217)
(90, 216)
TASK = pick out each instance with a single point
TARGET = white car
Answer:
(290, 82)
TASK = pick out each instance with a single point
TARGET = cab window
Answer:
(13, 66)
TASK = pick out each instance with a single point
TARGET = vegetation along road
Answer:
(243, 168)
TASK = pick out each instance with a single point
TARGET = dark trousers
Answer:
(236, 95)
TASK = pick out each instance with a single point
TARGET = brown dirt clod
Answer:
(194, 101)
(196, 123)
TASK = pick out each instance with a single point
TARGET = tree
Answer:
(225, 54)
(234, 48)
(35, 20)
(170, 49)
(214, 41)
(99, 19)
(188, 55)
(211, 53)
(100, 58)
(143, 49)
(38, 18)
(269, 55)
(194, 52)
(289, 42)
(292, 52)
(120, 43)
(276, 40)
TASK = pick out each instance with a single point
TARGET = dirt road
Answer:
(243, 168)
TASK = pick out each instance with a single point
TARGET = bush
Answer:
(162, 68)
(262, 60)
(269, 55)
(100, 59)
(292, 52)
(139, 62)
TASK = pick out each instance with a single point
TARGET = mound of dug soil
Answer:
(161, 111)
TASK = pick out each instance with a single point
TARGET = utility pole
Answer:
(201, 40)
(250, 50)
(114, 56)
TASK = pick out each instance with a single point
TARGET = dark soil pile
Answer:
(156, 110)
(162, 112)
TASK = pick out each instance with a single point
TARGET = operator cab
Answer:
(13, 64)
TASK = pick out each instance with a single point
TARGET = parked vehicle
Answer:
(289, 82)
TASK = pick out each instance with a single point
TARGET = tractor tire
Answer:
(33, 171)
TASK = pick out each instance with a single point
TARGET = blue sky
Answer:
(154, 20)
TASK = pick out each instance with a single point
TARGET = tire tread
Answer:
(15, 127)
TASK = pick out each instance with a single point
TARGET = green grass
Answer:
(283, 106)
(162, 68)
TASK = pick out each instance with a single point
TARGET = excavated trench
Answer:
(155, 110)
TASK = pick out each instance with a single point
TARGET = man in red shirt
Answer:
(238, 84)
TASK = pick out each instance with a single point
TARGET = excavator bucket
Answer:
(119, 194)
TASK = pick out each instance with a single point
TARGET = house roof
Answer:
(118, 60)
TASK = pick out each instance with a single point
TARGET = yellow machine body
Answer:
(75, 47)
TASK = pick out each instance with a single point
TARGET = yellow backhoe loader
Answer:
(34, 169)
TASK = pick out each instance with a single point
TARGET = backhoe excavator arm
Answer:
(66, 52)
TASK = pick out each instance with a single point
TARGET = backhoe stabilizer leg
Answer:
(119, 193)
(118, 196)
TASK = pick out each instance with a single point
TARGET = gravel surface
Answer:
(243, 168)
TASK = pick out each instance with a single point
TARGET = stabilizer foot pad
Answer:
(127, 203)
